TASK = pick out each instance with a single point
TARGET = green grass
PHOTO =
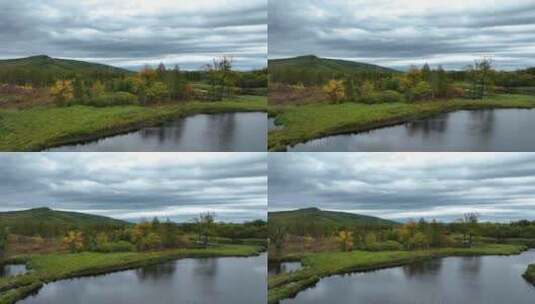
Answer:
(325, 264)
(48, 268)
(303, 123)
(40, 128)
(529, 275)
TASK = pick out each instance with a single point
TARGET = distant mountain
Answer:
(311, 63)
(43, 63)
(323, 217)
(48, 217)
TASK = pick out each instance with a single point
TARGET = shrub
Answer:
(385, 246)
(422, 90)
(113, 99)
(120, 246)
(384, 97)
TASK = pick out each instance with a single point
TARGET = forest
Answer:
(97, 85)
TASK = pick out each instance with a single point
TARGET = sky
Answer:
(136, 186)
(133, 33)
(401, 33)
(403, 186)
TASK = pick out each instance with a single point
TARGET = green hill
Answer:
(311, 63)
(44, 71)
(322, 217)
(48, 217)
(58, 66)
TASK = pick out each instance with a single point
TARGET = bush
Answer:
(120, 246)
(383, 97)
(113, 99)
(385, 246)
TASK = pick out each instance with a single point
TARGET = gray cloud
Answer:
(133, 186)
(134, 33)
(406, 185)
(398, 34)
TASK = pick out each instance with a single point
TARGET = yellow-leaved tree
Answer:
(345, 238)
(73, 241)
(63, 92)
(335, 89)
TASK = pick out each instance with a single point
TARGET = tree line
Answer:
(412, 235)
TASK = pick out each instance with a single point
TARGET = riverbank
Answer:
(529, 275)
(54, 267)
(40, 128)
(319, 265)
(312, 121)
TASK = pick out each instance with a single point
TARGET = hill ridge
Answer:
(336, 218)
(313, 62)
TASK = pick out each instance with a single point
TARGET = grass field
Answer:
(316, 266)
(53, 267)
(44, 127)
(306, 122)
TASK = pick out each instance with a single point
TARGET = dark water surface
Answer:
(456, 280)
(242, 131)
(481, 130)
(187, 281)
(277, 268)
(12, 269)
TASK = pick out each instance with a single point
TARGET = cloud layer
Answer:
(400, 33)
(138, 32)
(133, 186)
(400, 186)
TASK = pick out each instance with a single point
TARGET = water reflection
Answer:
(477, 280)
(189, 281)
(481, 130)
(217, 132)
(156, 272)
(278, 268)
(12, 269)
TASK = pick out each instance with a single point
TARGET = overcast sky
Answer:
(404, 32)
(136, 32)
(401, 186)
(133, 186)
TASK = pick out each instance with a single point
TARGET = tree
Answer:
(366, 89)
(470, 222)
(97, 89)
(220, 77)
(422, 90)
(73, 241)
(345, 238)
(335, 90)
(177, 89)
(3, 241)
(161, 71)
(151, 242)
(62, 92)
(480, 74)
(205, 223)
(371, 240)
(277, 236)
(418, 241)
